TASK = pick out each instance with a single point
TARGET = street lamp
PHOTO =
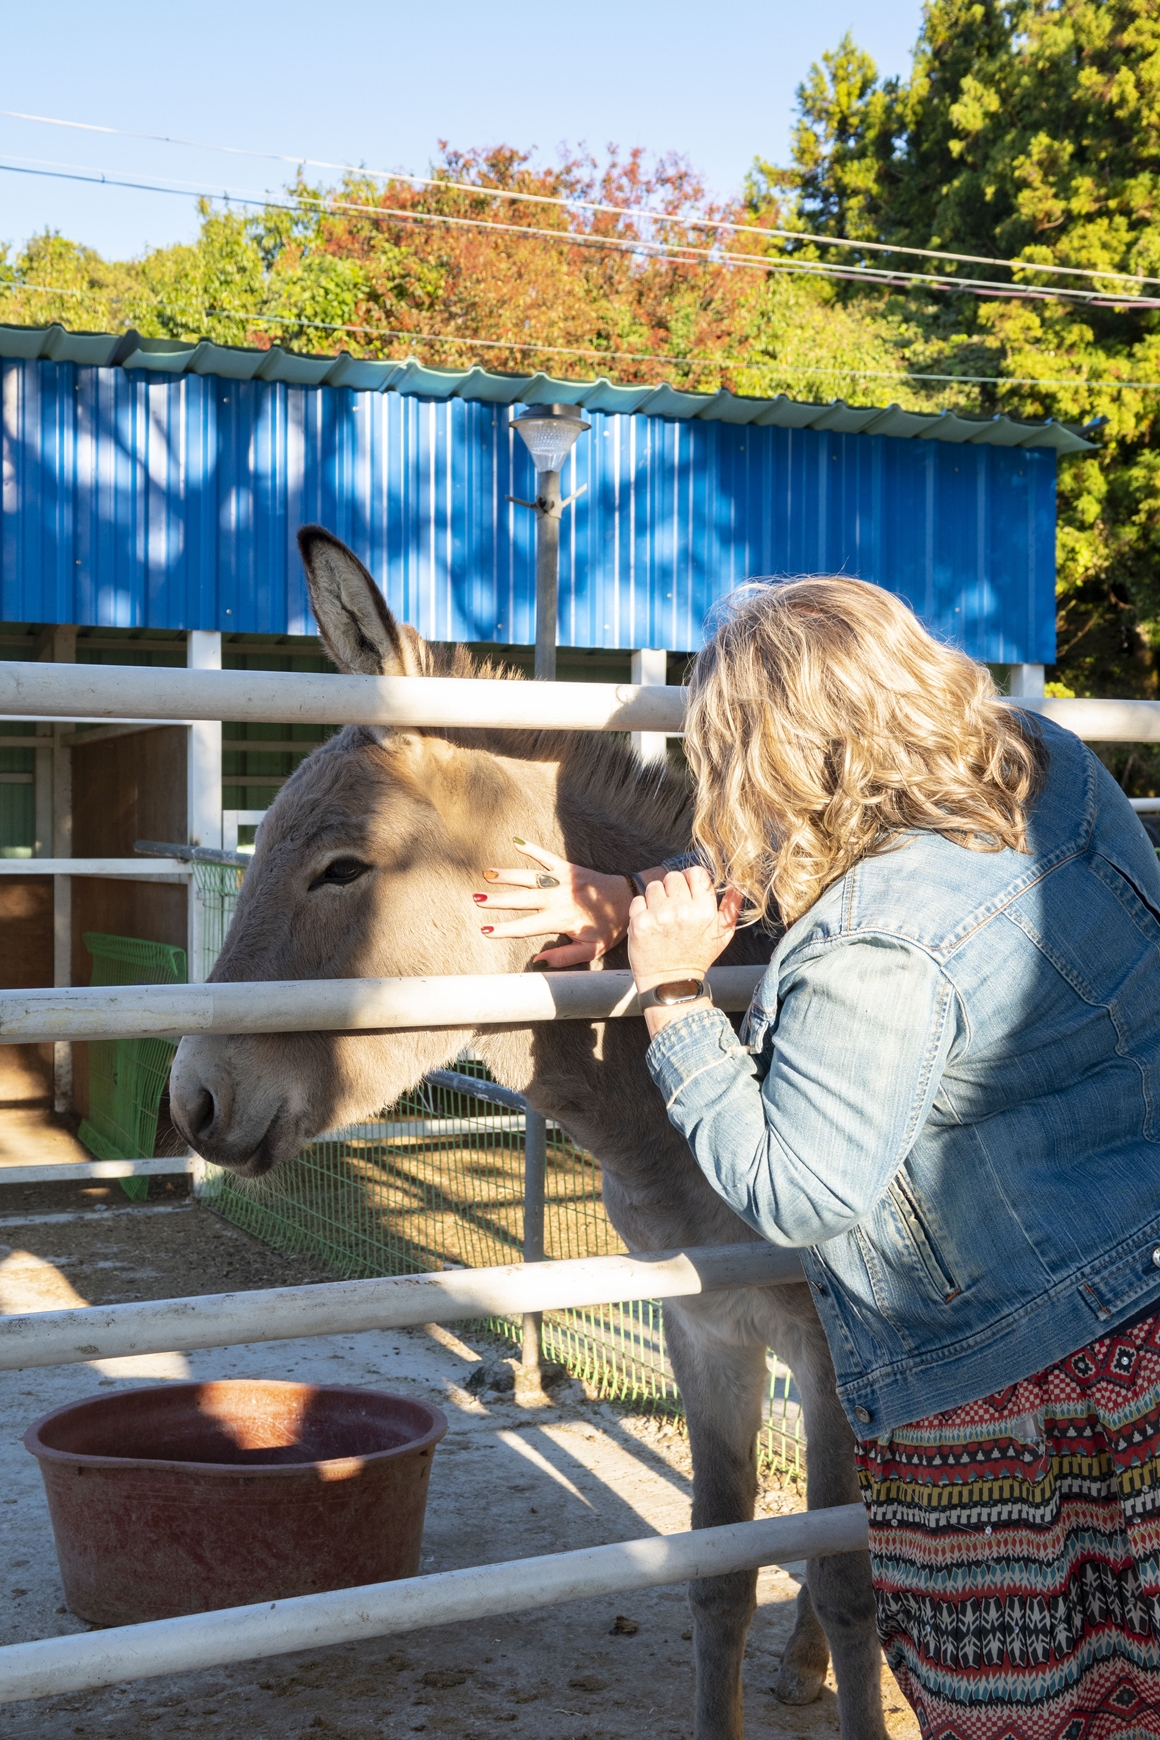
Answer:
(549, 432)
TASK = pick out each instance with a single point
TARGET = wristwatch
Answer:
(673, 993)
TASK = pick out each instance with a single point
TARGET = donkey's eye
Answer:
(341, 871)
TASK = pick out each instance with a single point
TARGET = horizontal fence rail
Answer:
(31, 691)
(152, 870)
(1099, 721)
(475, 1088)
(467, 1001)
(64, 1171)
(199, 1640)
(41, 1338)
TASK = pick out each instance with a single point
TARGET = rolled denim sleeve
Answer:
(802, 1153)
(682, 861)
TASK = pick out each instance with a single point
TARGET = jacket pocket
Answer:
(939, 1272)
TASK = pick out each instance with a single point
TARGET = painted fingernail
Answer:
(479, 899)
(487, 929)
(491, 876)
(547, 882)
(518, 841)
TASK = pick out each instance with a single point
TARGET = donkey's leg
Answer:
(838, 1591)
(721, 1388)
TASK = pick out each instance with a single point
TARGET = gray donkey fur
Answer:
(365, 867)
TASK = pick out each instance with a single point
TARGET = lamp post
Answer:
(549, 432)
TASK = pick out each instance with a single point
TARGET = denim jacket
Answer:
(945, 1092)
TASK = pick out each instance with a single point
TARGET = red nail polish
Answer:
(479, 899)
(487, 929)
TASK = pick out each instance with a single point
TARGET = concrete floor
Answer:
(506, 1483)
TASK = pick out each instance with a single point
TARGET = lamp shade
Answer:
(549, 433)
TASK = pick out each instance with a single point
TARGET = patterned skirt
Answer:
(1015, 1545)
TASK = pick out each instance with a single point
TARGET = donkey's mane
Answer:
(599, 767)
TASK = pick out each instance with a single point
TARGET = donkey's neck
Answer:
(608, 809)
(589, 798)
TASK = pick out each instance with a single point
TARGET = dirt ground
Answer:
(506, 1483)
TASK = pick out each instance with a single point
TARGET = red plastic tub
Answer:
(187, 1497)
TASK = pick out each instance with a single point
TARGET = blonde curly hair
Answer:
(823, 721)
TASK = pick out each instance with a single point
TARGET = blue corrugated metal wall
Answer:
(134, 501)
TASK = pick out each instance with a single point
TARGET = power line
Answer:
(11, 285)
(483, 343)
(773, 363)
(593, 206)
(730, 362)
(679, 253)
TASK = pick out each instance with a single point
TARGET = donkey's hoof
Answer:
(800, 1682)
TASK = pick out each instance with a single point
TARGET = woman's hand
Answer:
(678, 929)
(564, 900)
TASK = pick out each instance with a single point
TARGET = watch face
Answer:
(679, 991)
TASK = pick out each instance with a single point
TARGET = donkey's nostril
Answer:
(202, 1113)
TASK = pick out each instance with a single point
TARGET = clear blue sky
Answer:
(381, 84)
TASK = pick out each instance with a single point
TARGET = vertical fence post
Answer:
(535, 1175)
(1026, 680)
(204, 789)
(650, 666)
(549, 432)
(62, 650)
(535, 1128)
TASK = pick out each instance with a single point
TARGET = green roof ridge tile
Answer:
(131, 350)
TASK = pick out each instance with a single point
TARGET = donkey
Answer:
(364, 867)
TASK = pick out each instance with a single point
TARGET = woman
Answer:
(945, 1092)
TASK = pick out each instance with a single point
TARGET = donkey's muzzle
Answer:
(225, 1112)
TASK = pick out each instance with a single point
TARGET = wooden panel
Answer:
(125, 789)
(154, 911)
(25, 1076)
(25, 959)
(129, 788)
(25, 931)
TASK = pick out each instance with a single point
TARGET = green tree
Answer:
(843, 144)
(1029, 129)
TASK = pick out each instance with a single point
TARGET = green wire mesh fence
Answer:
(216, 888)
(127, 1077)
(438, 1182)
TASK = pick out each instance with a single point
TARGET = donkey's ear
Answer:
(358, 630)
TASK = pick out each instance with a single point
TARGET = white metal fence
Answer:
(73, 1663)
(330, 1005)
(47, 691)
